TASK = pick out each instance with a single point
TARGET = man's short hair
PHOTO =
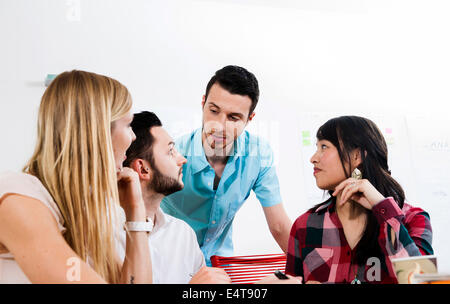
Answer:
(236, 80)
(142, 146)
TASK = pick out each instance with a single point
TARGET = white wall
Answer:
(314, 59)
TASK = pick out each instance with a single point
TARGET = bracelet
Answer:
(140, 226)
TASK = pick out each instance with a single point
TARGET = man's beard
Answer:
(163, 184)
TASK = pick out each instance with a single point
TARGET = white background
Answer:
(315, 59)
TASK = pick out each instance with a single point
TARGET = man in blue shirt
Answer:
(224, 163)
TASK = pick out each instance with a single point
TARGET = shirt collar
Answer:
(328, 205)
(160, 220)
(199, 158)
(239, 145)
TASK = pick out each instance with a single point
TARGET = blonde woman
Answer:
(58, 219)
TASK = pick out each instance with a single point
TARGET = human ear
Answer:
(142, 168)
(356, 159)
(249, 119)
(203, 101)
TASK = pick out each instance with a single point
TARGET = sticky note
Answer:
(49, 79)
(306, 134)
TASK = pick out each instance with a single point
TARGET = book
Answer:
(431, 278)
(408, 268)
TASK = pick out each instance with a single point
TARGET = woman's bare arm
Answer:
(29, 231)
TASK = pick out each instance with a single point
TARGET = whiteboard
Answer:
(418, 157)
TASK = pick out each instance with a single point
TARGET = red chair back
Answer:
(250, 268)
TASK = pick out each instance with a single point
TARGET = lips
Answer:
(218, 138)
(316, 170)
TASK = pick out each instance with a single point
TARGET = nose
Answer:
(133, 136)
(218, 125)
(314, 158)
(222, 119)
(181, 160)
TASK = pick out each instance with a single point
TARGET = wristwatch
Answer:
(140, 226)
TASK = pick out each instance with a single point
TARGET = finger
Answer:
(218, 270)
(127, 174)
(219, 276)
(353, 191)
(348, 192)
(202, 269)
(297, 279)
(122, 174)
(345, 193)
(342, 185)
(338, 188)
(222, 275)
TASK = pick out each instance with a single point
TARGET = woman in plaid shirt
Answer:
(352, 236)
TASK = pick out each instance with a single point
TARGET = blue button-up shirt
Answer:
(211, 212)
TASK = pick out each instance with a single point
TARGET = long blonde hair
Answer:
(74, 160)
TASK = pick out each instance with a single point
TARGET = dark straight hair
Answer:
(350, 133)
(142, 147)
(236, 80)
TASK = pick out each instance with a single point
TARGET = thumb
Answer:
(300, 279)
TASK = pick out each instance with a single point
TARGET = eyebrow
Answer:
(232, 114)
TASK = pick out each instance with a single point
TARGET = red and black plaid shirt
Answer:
(318, 249)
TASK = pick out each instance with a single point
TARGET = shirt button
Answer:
(207, 240)
(383, 211)
(209, 184)
(213, 222)
(348, 252)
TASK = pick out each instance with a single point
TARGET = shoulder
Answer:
(254, 142)
(27, 185)
(23, 184)
(315, 216)
(183, 142)
(181, 226)
(413, 213)
(18, 225)
(410, 209)
(14, 180)
(255, 147)
(302, 221)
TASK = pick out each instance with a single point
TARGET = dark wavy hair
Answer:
(350, 133)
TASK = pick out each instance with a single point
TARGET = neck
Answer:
(217, 160)
(152, 202)
(350, 210)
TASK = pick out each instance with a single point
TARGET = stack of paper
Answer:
(432, 278)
